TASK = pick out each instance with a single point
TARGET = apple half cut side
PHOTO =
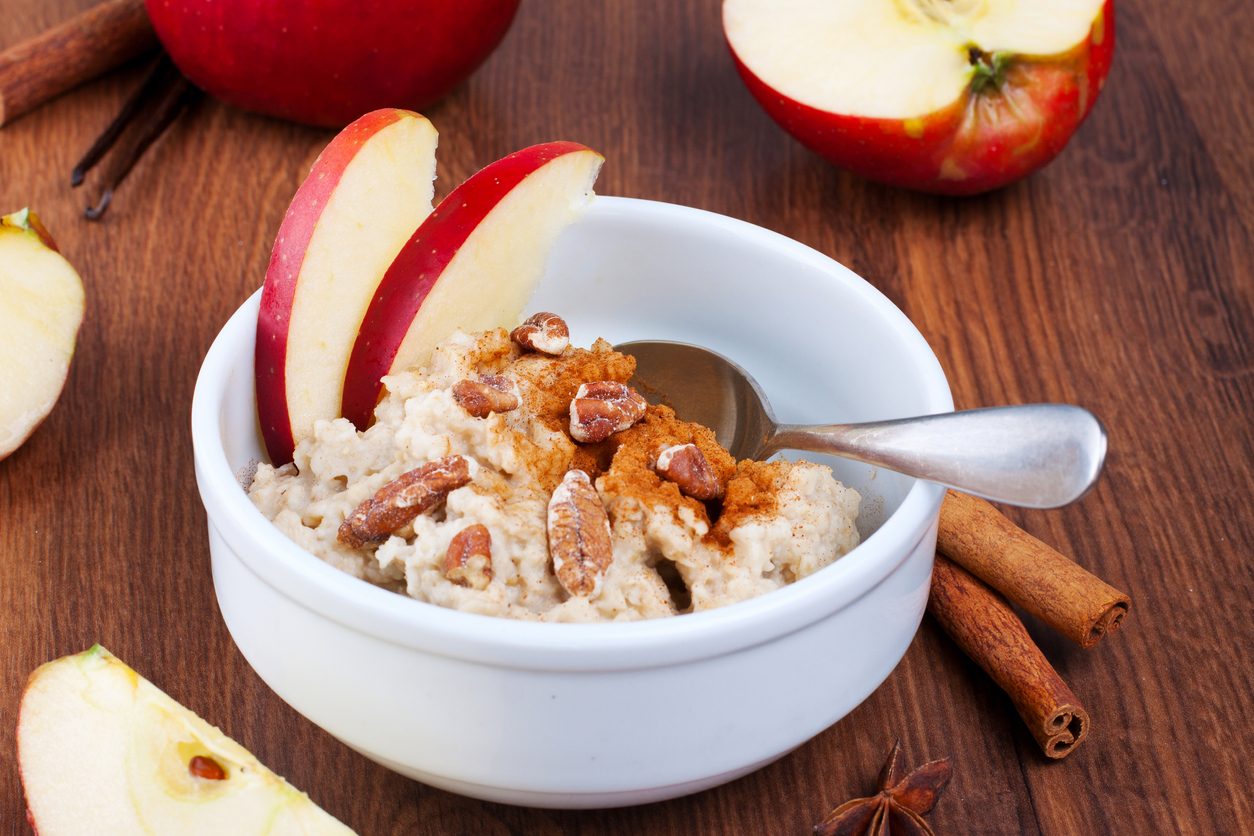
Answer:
(472, 265)
(943, 96)
(361, 201)
(102, 750)
(41, 308)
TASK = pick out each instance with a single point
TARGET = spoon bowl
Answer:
(1035, 455)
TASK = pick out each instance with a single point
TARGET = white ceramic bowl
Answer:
(575, 715)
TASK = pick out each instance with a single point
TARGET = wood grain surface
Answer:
(1118, 278)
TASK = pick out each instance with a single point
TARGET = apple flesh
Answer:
(367, 191)
(945, 96)
(41, 309)
(325, 63)
(472, 265)
(102, 750)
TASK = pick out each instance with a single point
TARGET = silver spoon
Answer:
(1036, 456)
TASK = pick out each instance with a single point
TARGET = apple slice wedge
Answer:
(41, 309)
(472, 265)
(361, 201)
(102, 750)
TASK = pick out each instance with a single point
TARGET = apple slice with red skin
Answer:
(980, 114)
(472, 264)
(367, 191)
(101, 750)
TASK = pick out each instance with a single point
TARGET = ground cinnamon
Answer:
(555, 380)
(989, 632)
(1034, 576)
(624, 463)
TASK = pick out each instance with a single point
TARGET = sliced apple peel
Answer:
(471, 265)
(365, 194)
(365, 279)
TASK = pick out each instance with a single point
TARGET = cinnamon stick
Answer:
(78, 50)
(988, 631)
(1036, 577)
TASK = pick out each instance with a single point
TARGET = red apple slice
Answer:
(361, 201)
(945, 96)
(102, 750)
(41, 308)
(472, 265)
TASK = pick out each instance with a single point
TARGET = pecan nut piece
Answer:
(601, 409)
(579, 535)
(468, 561)
(398, 502)
(544, 332)
(490, 393)
(690, 470)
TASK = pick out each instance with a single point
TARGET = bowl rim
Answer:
(362, 607)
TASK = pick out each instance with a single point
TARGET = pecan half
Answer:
(689, 469)
(490, 393)
(544, 332)
(468, 561)
(579, 535)
(401, 500)
(601, 409)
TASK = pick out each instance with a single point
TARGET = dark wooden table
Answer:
(1118, 278)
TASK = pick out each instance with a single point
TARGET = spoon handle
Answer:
(1036, 456)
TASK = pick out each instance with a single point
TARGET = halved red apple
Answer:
(472, 264)
(367, 191)
(944, 96)
(102, 750)
(327, 62)
(41, 309)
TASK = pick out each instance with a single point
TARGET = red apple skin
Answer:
(418, 267)
(325, 62)
(286, 260)
(970, 147)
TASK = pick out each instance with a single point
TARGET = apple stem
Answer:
(990, 69)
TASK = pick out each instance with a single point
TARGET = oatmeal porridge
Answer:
(518, 476)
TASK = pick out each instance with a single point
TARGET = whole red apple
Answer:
(326, 62)
(944, 96)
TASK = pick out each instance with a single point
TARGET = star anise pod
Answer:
(897, 809)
